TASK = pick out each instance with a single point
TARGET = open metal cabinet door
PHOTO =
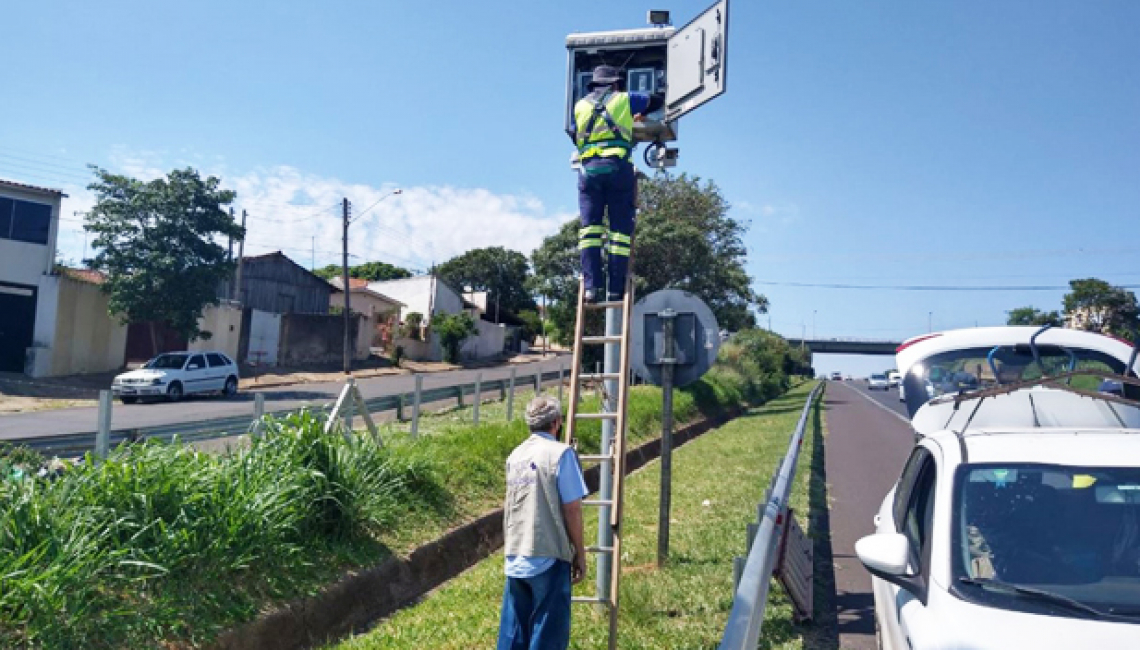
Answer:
(696, 58)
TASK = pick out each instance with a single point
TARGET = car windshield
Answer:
(973, 368)
(167, 362)
(1070, 531)
(882, 377)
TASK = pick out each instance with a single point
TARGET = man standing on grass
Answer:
(542, 529)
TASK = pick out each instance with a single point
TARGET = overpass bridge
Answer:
(847, 346)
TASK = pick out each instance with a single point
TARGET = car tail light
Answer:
(919, 339)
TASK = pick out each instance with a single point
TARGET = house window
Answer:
(25, 221)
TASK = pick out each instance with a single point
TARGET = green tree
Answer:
(157, 243)
(503, 274)
(453, 330)
(1033, 316)
(1097, 306)
(685, 239)
(371, 271)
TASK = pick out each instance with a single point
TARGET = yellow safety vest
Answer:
(605, 126)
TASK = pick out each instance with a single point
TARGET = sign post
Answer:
(667, 360)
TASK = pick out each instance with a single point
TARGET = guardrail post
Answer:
(561, 378)
(416, 406)
(477, 399)
(459, 396)
(258, 413)
(537, 383)
(103, 434)
(511, 397)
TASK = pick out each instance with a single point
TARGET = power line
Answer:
(919, 287)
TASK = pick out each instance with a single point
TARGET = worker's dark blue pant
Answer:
(615, 192)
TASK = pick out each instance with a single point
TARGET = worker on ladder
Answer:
(603, 133)
(542, 531)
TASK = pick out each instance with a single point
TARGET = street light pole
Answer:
(348, 341)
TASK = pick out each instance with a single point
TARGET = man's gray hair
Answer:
(542, 412)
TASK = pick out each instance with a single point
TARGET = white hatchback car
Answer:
(174, 374)
(1016, 522)
(878, 381)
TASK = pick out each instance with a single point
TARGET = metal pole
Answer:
(241, 259)
(347, 409)
(511, 398)
(103, 434)
(347, 291)
(416, 406)
(478, 399)
(668, 316)
(258, 412)
(612, 364)
(537, 383)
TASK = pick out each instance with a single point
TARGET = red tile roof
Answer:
(89, 276)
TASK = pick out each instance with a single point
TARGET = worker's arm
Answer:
(572, 517)
(642, 103)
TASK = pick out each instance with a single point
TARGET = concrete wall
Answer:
(316, 338)
(488, 342)
(83, 338)
(224, 322)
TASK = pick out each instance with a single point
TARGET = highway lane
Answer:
(80, 420)
(868, 441)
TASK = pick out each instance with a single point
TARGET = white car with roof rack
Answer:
(172, 375)
(1016, 521)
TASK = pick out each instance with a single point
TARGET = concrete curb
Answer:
(361, 598)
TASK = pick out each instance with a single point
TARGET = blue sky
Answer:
(876, 143)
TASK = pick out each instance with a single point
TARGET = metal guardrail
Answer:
(77, 444)
(742, 632)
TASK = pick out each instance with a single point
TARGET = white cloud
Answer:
(296, 212)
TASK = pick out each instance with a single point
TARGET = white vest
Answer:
(532, 514)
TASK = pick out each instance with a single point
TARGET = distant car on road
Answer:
(837, 376)
(173, 375)
(894, 378)
(878, 381)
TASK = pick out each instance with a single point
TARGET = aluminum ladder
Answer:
(611, 461)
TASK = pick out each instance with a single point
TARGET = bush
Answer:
(453, 330)
(413, 326)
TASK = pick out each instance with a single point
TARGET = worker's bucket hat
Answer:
(605, 75)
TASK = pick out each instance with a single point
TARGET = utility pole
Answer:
(347, 291)
(241, 258)
(231, 254)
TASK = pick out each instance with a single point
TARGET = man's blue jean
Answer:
(536, 611)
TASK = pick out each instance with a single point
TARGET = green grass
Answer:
(683, 606)
(164, 545)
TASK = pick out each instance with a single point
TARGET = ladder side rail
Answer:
(576, 366)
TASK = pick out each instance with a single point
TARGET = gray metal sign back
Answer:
(695, 332)
(696, 62)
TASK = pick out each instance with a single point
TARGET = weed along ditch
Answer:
(162, 545)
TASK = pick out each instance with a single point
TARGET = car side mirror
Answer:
(886, 555)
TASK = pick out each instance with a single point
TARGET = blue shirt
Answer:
(571, 487)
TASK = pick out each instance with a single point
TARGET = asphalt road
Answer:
(192, 409)
(868, 441)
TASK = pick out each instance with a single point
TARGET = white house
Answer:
(427, 295)
(29, 225)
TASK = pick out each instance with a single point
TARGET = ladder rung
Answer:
(601, 339)
(596, 416)
(598, 502)
(608, 304)
(591, 600)
(595, 458)
(588, 376)
(599, 549)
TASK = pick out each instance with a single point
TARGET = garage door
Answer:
(17, 325)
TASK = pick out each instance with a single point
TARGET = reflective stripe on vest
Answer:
(604, 125)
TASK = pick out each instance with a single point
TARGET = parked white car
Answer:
(1016, 521)
(174, 374)
(878, 381)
